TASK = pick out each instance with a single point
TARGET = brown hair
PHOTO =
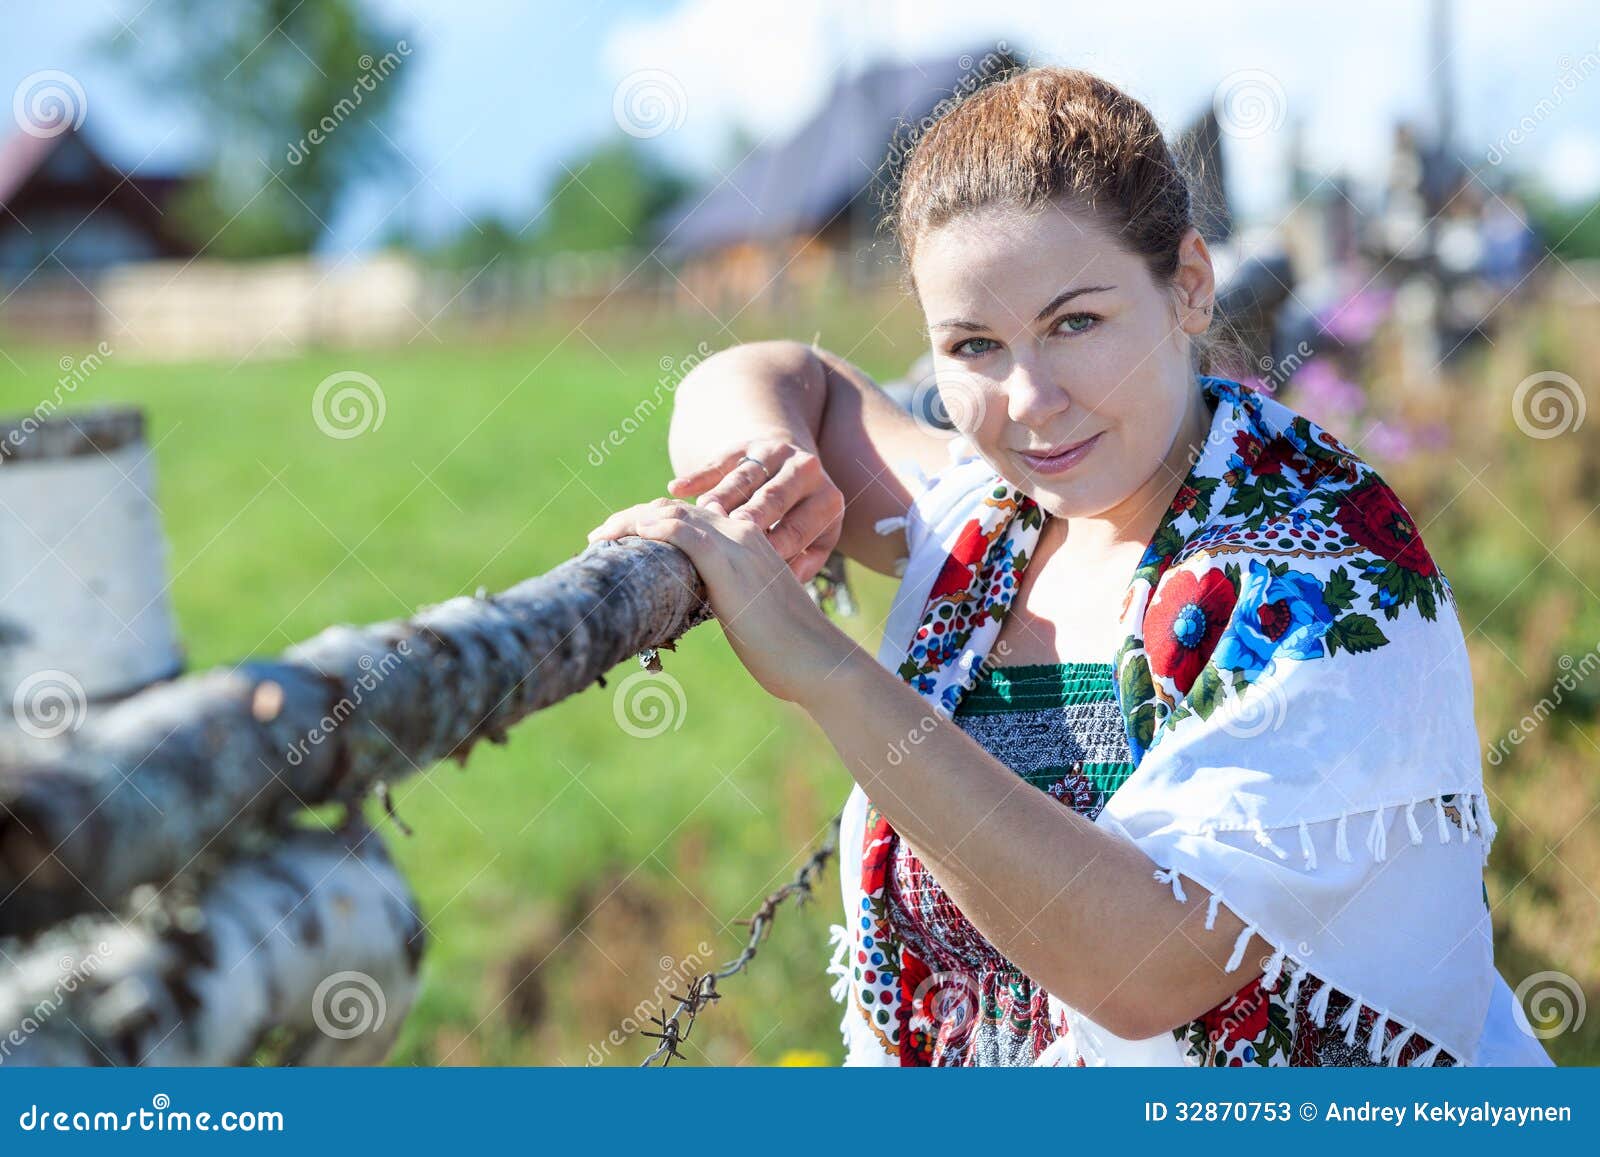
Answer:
(1042, 135)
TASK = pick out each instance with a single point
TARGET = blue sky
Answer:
(499, 94)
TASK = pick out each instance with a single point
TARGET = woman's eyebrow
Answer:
(1056, 303)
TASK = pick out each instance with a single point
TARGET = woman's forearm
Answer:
(1070, 903)
(773, 389)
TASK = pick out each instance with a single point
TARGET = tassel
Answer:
(1341, 845)
(1397, 1047)
(1469, 805)
(1351, 1020)
(1273, 970)
(840, 936)
(1486, 825)
(1444, 821)
(1211, 910)
(1411, 822)
(1266, 841)
(1170, 876)
(1239, 946)
(890, 525)
(1300, 972)
(1377, 836)
(1375, 1041)
(1307, 848)
(1317, 1010)
(1425, 1061)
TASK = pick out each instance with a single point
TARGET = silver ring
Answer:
(759, 463)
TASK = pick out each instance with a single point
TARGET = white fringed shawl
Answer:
(1303, 778)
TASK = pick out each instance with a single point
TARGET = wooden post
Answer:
(84, 612)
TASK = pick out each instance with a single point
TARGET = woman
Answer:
(1169, 753)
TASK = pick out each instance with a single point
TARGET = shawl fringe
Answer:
(1282, 967)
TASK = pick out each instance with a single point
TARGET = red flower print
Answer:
(1374, 517)
(960, 566)
(1075, 791)
(1274, 619)
(1185, 499)
(1269, 458)
(1182, 626)
(1242, 1017)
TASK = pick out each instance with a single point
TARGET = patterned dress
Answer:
(1058, 726)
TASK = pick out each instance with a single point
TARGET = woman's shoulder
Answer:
(1286, 488)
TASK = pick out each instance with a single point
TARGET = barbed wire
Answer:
(675, 1029)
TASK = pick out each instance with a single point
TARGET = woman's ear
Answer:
(1194, 283)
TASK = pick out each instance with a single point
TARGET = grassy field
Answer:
(577, 871)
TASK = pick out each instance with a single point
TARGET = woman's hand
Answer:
(779, 487)
(783, 640)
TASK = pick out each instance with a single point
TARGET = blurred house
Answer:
(66, 215)
(88, 253)
(796, 213)
(63, 204)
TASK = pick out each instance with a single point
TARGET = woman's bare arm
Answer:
(755, 397)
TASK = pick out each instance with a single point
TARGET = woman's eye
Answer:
(1077, 322)
(962, 349)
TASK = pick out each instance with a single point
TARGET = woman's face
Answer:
(1058, 355)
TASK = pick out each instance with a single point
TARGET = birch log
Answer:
(313, 946)
(200, 761)
(84, 615)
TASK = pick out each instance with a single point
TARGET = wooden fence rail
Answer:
(162, 830)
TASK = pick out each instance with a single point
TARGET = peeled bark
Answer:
(311, 948)
(202, 761)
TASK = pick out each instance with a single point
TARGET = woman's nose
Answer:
(1032, 396)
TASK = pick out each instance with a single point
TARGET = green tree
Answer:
(291, 94)
(604, 199)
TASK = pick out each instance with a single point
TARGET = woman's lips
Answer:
(1059, 461)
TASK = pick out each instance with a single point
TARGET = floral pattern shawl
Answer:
(1296, 694)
